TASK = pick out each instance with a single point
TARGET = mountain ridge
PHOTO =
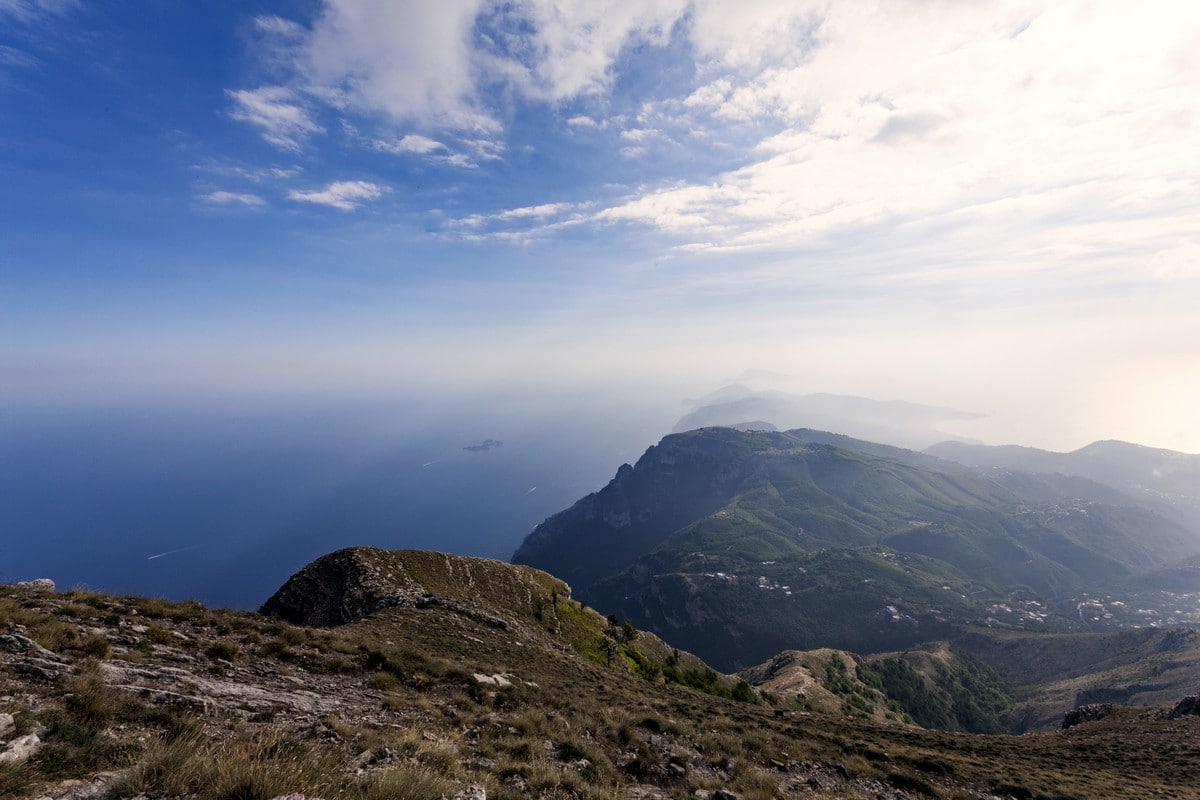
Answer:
(741, 544)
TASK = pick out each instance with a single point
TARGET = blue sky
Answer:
(990, 206)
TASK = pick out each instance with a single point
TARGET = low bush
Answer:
(223, 651)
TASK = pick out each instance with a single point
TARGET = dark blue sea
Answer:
(223, 504)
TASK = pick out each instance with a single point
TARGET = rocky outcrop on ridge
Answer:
(358, 582)
(1188, 706)
(338, 588)
(1087, 713)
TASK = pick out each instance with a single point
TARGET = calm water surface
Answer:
(223, 506)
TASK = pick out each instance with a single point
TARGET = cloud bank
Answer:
(1074, 123)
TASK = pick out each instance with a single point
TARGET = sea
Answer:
(222, 504)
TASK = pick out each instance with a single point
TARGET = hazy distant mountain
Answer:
(1122, 464)
(737, 545)
(894, 422)
(1164, 480)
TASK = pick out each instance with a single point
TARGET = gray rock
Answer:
(1188, 706)
(37, 584)
(19, 750)
(724, 794)
(36, 672)
(7, 725)
(475, 791)
(94, 789)
(19, 644)
(1088, 713)
(492, 680)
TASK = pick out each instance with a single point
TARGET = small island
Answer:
(484, 446)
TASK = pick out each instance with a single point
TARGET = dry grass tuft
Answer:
(14, 780)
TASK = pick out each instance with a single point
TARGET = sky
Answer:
(990, 206)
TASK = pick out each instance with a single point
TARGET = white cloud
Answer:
(747, 35)
(233, 198)
(1178, 262)
(252, 174)
(414, 144)
(277, 111)
(640, 134)
(276, 26)
(1018, 126)
(911, 112)
(11, 56)
(448, 66)
(711, 95)
(520, 225)
(484, 149)
(32, 10)
(32, 28)
(411, 61)
(567, 48)
(537, 212)
(342, 195)
(469, 155)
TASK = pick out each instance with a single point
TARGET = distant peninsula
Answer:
(484, 446)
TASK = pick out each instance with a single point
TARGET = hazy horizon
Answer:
(222, 501)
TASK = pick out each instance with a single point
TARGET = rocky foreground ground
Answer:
(487, 682)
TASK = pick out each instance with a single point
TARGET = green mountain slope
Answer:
(1163, 480)
(737, 545)
(1047, 672)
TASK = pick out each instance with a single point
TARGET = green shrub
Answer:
(95, 645)
(72, 747)
(911, 783)
(223, 651)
